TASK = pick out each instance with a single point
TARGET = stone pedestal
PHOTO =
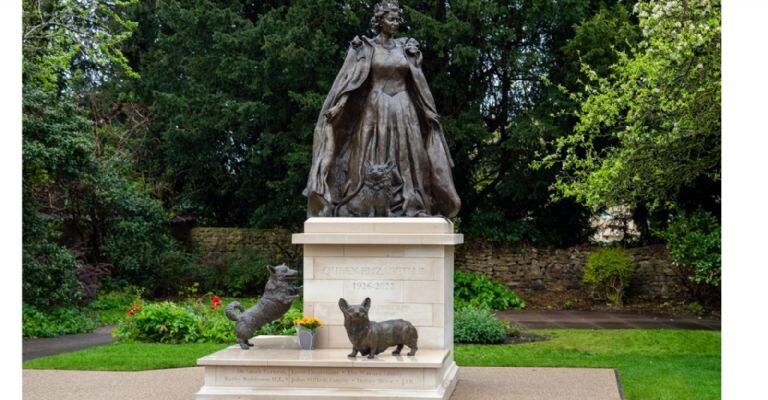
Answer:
(405, 265)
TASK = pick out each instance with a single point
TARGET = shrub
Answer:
(49, 270)
(246, 273)
(477, 325)
(111, 307)
(477, 290)
(193, 322)
(163, 322)
(180, 270)
(693, 242)
(608, 273)
(49, 275)
(55, 321)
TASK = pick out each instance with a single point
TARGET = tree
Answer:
(77, 179)
(648, 129)
(234, 89)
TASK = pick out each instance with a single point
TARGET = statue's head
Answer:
(387, 16)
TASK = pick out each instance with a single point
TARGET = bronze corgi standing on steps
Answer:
(370, 337)
(276, 301)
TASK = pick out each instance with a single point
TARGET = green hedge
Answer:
(477, 290)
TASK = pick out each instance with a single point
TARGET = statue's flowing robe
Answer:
(327, 184)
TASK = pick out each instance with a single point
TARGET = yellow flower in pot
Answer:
(306, 329)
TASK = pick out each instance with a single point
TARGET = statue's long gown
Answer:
(389, 130)
(388, 114)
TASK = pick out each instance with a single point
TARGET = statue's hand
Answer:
(331, 113)
(334, 111)
(356, 42)
(412, 47)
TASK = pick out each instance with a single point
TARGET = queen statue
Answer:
(378, 147)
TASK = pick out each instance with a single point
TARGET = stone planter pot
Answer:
(306, 338)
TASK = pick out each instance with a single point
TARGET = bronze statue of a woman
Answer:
(378, 148)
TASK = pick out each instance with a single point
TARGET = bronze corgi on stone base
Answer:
(370, 337)
(277, 299)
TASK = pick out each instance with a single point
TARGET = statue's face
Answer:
(391, 22)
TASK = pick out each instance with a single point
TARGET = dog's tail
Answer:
(231, 307)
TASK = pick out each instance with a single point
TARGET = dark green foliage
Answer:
(56, 151)
(608, 273)
(49, 272)
(477, 325)
(235, 90)
(193, 322)
(246, 272)
(477, 290)
(87, 213)
(56, 321)
(242, 273)
(693, 241)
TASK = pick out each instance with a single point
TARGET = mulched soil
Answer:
(581, 301)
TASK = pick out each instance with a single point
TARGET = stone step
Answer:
(283, 351)
(275, 368)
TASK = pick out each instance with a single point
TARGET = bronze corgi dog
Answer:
(276, 301)
(374, 196)
(370, 337)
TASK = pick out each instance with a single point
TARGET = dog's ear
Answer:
(271, 269)
(390, 165)
(366, 304)
(343, 306)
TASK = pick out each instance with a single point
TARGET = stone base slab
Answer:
(382, 231)
(276, 369)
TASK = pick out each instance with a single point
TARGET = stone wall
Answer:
(520, 268)
(274, 244)
(559, 270)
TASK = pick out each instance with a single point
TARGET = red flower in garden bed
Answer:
(215, 302)
(134, 309)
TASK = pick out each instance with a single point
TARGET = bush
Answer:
(163, 322)
(49, 275)
(49, 270)
(477, 325)
(193, 322)
(246, 272)
(608, 273)
(56, 321)
(693, 242)
(477, 290)
(111, 307)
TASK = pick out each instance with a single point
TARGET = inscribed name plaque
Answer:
(321, 377)
(418, 269)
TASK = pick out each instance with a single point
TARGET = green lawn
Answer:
(128, 357)
(652, 364)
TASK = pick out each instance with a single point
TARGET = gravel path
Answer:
(36, 348)
(475, 383)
